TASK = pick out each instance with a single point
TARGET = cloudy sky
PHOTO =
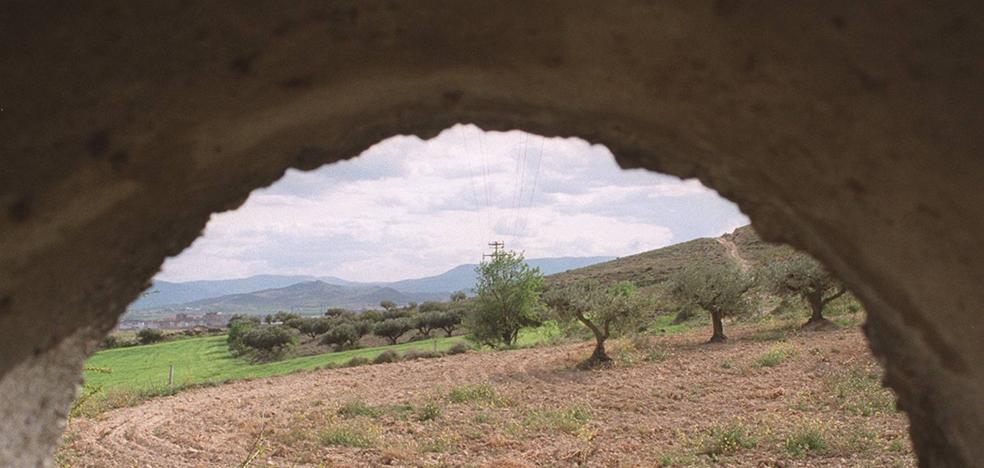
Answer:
(408, 208)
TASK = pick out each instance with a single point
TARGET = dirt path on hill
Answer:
(734, 253)
(660, 404)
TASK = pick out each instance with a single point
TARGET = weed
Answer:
(860, 392)
(728, 439)
(441, 443)
(571, 420)
(428, 411)
(773, 357)
(898, 446)
(345, 437)
(480, 393)
(805, 440)
(355, 408)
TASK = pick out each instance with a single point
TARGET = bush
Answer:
(414, 354)
(459, 348)
(149, 335)
(386, 357)
(109, 342)
(357, 361)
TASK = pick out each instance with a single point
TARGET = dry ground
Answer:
(766, 398)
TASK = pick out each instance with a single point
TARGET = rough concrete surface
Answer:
(851, 130)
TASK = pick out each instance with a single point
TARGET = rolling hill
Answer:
(655, 266)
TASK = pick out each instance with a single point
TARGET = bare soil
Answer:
(804, 399)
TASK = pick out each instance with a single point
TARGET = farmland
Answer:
(771, 395)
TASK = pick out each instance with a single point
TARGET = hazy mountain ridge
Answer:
(307, 297)
(256, 293)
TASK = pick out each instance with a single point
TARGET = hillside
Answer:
(308, 297)
(655, 266)
(463, 277)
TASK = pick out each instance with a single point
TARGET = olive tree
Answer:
(718, 289)
(393, 329)
(449, 321)
(801, 276)
(265, 343)
(342, 335)
(508, 299)
(604, 311)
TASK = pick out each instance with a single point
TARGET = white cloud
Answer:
(408, 208)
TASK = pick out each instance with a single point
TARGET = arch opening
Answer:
(572, 178)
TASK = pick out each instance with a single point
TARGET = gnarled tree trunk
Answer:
(718, 335)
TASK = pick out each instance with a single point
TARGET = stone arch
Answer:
(848, 130)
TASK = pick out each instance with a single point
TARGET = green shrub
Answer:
(149, 335)
(387, 356)
(239, 325)
(109, 342)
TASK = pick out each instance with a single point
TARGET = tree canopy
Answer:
(799, 275)
(718, 288)
(508, 299)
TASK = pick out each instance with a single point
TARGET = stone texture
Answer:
(851, 130)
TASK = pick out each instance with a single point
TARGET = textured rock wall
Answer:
(851, 130)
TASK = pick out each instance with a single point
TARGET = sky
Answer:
(407, 208)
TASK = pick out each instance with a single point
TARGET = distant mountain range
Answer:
(269, 293)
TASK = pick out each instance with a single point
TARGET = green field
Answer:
(207, 360)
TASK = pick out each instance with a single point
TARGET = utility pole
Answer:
(498, 248)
